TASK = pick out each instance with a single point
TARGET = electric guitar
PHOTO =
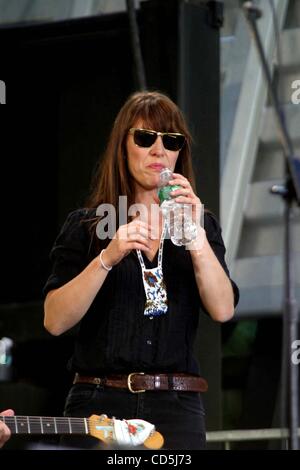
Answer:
(127, 433)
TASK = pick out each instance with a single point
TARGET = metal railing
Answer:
(242, 146)
(239, 435)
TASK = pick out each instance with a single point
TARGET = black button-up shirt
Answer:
(114, 336)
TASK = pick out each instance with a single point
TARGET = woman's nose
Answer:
(158, 147)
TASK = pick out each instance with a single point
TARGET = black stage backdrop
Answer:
(65, 83)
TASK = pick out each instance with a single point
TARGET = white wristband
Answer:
(107, 268)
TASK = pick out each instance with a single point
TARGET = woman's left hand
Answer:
(186, 195)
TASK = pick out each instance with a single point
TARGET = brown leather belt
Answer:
(138, 382)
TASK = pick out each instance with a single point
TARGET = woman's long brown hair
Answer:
(157, 111)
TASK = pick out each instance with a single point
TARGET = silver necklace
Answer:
(154, 285)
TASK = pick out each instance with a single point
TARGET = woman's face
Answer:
(145, 163)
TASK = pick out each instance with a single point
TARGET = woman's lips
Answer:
(156, 166)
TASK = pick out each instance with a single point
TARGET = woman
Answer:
(134, 336)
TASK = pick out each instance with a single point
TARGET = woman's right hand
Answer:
(132, 236)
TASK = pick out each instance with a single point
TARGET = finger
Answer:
(139, 238)
(134, 231)
(136, 237)
(139, 222)
(156, 198)
(181, 183)
(144, 228)
(141, 228)
(181, 192)
(4, 436)
(179, 177)
(185, 200)
(8, 412)
(133, 227)
(138, 246)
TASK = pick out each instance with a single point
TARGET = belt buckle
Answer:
(129, 382)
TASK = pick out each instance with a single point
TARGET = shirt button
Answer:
(149, 342)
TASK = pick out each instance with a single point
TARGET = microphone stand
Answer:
(290, 192)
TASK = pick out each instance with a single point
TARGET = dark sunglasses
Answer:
(146, 137)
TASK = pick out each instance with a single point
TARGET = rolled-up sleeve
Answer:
(214, 237)
(69, 253)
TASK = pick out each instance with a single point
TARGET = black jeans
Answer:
(178, 416)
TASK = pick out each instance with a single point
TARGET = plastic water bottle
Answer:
(178, 216)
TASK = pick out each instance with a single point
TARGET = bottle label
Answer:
(164, 192)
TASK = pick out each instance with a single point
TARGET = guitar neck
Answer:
(46, 425)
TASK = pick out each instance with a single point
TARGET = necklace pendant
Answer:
(154, 285)
(156, 293)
